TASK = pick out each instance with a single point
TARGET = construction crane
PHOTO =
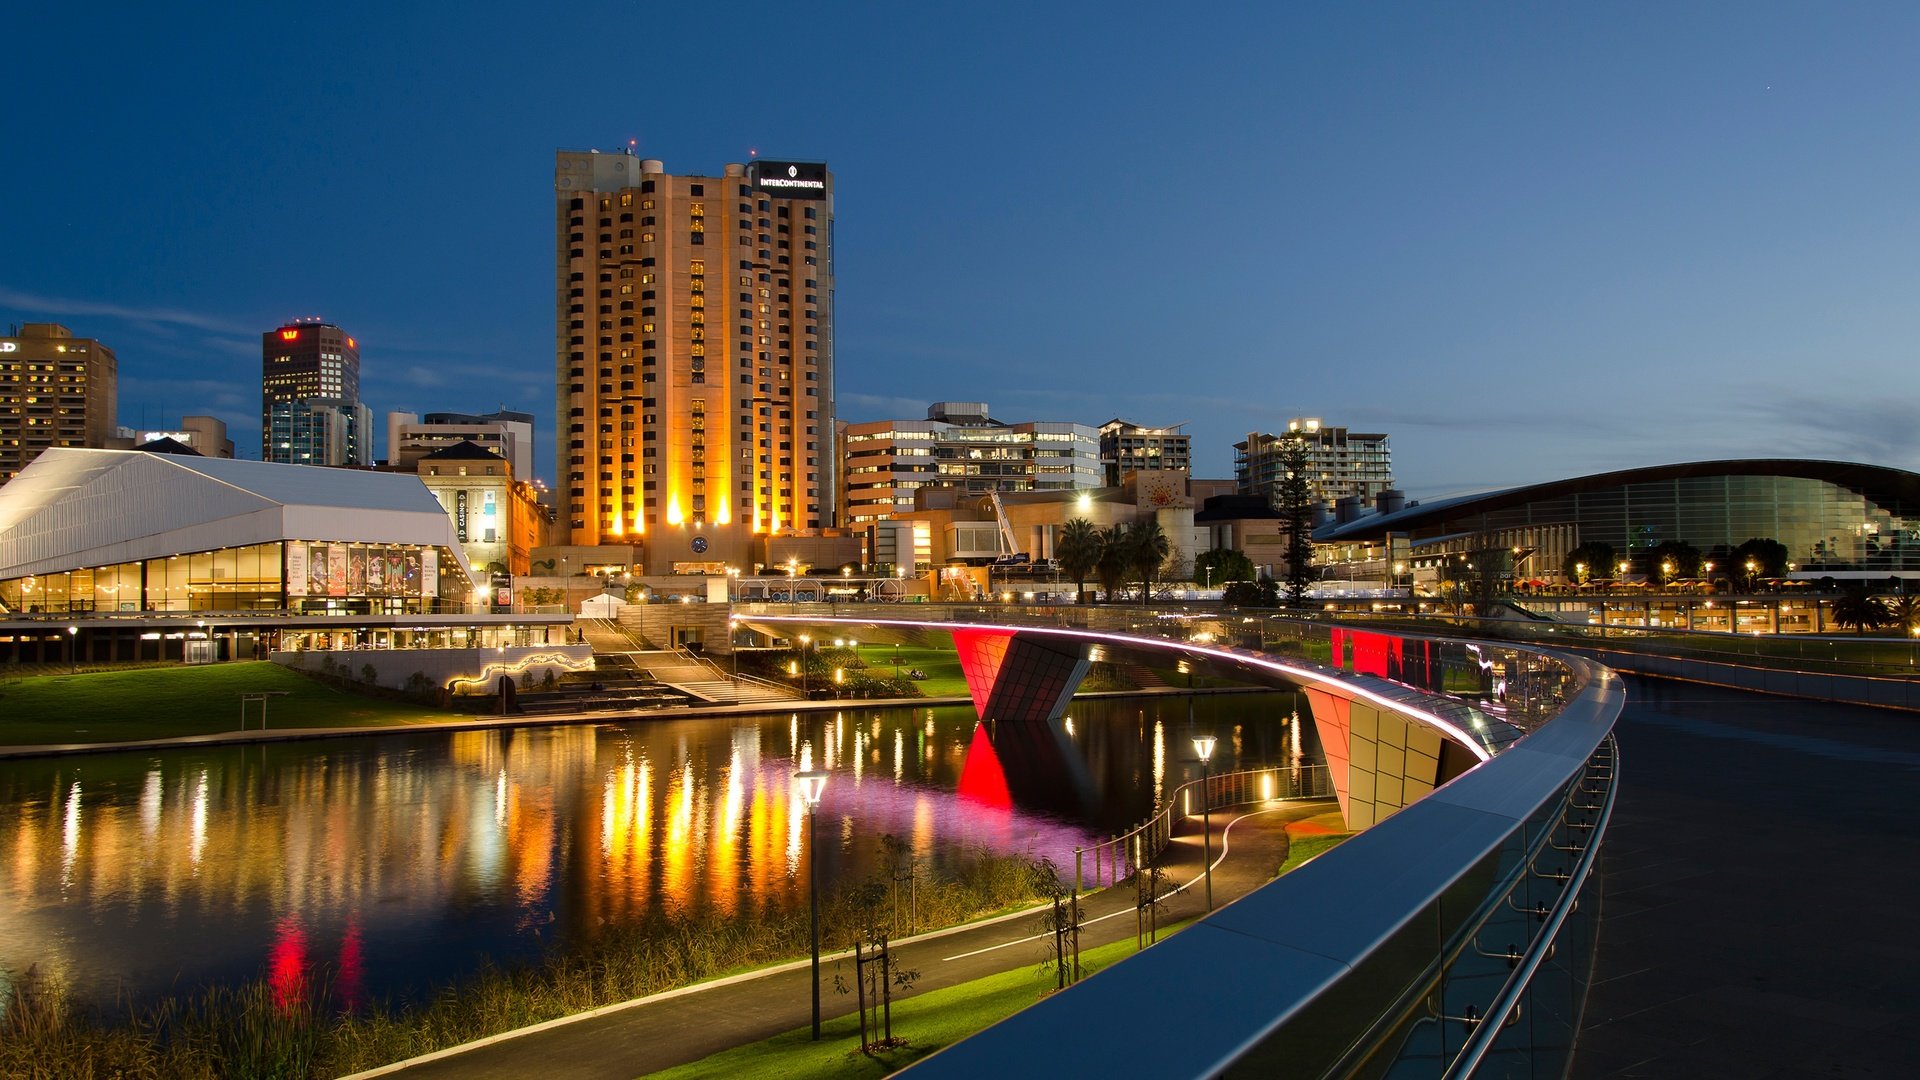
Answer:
(1013, 553)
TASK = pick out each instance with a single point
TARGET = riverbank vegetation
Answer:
(165, 702)
(927, 1022)
(293, 1030)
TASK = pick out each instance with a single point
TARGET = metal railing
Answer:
(1451, 937)
(1113, 861)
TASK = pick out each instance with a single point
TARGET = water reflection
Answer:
(396, 863)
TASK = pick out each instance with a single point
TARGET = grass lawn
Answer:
(157, 702)
(941, 665)
(1309, 837)
(928, 1022)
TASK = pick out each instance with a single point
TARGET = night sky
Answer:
(1528, 241)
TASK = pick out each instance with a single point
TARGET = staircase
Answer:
(606, 636)
(704, 680)
(1141, 676)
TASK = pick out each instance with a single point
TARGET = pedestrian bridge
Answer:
(1449, 936)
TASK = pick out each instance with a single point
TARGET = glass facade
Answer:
(307, 578)
(1825, 526)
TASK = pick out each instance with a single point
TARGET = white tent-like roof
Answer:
(74, 508)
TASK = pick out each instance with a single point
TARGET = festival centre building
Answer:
(1835, 520)
(125, 554)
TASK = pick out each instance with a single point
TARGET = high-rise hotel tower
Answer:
(694, 342)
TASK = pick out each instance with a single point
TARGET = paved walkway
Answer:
(1761, 875)
(681, 1026)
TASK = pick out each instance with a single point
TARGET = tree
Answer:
(1078, 551)
(1906, 612)
(1111, 568)
(1590, 560)
(1856, 606)
(1264, 593)
(1147, 548)
(1759, 557)
(1672, 559)
(1221, 566)
(1294, 500)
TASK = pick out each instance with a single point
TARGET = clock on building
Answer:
(699, 545)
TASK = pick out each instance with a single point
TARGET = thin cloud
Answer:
(165, 316)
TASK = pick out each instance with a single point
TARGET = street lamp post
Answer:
(805, 644)
(1203, 746)
(73, 649)
(812, 784)
(793, 576)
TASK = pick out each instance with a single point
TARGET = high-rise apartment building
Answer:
(694, 356)
(310, 409)
(958, 446)
(1127, 447)
(1340, 463)
(55, 390)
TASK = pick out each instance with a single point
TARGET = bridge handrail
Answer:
(1386, 953)
(1114, 860)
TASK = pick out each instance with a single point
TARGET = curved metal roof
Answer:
(73, 508)
(1877, 482)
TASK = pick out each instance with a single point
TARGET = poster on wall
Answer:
(296, 569)
(336, 569)
(430, 572)
(412, 572)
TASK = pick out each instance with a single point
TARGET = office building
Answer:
(1128, 447)
(1341, 464)
(310, 409)
(55, 390)
(509, 434)
(959, 445)
(204, 435)
(694, 365)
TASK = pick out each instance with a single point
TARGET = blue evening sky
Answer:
(1528, 241)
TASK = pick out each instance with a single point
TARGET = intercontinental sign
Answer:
(790, 179)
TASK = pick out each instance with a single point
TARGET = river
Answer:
(397, 863)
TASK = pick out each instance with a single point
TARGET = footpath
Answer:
(673, 1028)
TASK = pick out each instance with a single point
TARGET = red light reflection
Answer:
(982, 779)
(287, 965)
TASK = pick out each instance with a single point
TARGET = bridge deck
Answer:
(1761, 877)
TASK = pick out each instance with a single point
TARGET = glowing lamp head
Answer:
(1203, 745)
(811, 785)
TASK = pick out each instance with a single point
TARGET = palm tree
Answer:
(1111, 568)
(1148, 547)
(1078, 549)
(1906, 612)
(1856, 606)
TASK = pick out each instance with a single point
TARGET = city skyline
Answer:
(1524, 244)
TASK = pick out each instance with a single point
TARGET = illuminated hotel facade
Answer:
(694, 357)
